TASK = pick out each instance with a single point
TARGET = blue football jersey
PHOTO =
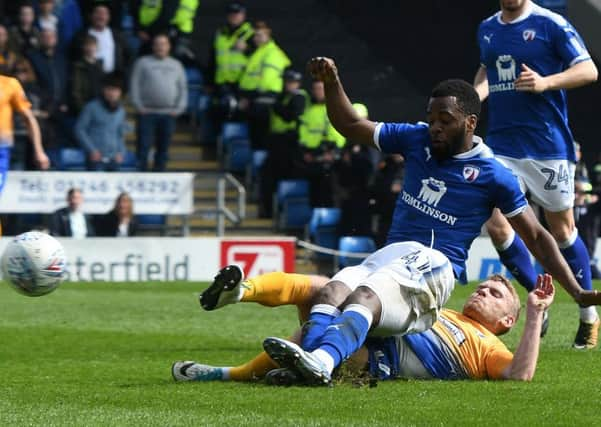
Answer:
(445, 204)
(523, 124)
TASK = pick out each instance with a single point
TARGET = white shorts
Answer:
(411, 281)
(549, 182)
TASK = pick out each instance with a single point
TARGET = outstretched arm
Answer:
(340, 110)
(545, 250)
(525, 357)
(35, 136)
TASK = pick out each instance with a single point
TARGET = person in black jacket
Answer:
(71, 221)
(120, 221)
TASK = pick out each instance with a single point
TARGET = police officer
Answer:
(261, 83)
(173, 17)
(283, 156)
(230, 50)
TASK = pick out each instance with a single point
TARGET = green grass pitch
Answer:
(100, 355)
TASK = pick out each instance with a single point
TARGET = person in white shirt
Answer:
(70, 221)
(99, 28)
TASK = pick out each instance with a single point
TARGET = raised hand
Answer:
(323, 69)
(542, 295)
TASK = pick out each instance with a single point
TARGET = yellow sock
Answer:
(275, 289)
(253, 369)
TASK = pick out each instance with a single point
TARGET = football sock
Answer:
(575, 253)
(345, 335)
(251, 370)
(515, 257)
(275, 289)
(319, 319)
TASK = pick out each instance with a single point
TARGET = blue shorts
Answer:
(4, 165)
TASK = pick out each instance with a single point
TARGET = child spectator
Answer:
(86, 76)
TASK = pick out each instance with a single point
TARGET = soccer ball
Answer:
(34, 263)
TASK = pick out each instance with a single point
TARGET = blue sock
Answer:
(576, 255)
(516, 259)
(346, 333)
(320, 318)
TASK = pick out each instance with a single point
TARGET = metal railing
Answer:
(223, 212)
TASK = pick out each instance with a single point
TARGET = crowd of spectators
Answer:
(77, 60)
(75, 64)
(251, 79)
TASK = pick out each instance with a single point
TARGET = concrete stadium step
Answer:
(179, 138)
(211, 221)
(175, 165)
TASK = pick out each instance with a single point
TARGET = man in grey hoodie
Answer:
(159, 93)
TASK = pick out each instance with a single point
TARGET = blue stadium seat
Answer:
(72, 159)
(357, 244)
(54, 156)
(152, 219)
(239, 155)
(229, 132)
(291, 204)
(30, 221)
(130, 162)
(258, 158)
(152, 222)
(233, 130)
(323, 228)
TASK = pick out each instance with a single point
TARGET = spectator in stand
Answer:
(283, 157)
(51, 75)
(159, 93)
(319, 142)
(354, 173)
(586, 209)
(50, 68)
(172, 17)
(388, 183)
(100, 128)
(7, 55)
(86, 76)
(261, 83)
(70, 22)
(46, 19)
(117, 9)
(70, 221)
(229, 53)
(24, 35)
(23, 152)
(120, 221)
(110, 44)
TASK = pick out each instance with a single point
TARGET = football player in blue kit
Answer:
(529, 56)
(452, 183)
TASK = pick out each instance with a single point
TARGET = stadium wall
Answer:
(141, 259)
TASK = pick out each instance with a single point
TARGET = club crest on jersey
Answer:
(470, 173)
(432, 191)
(529, 35)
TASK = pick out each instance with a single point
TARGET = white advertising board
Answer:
(149, 259)
(45, 192)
